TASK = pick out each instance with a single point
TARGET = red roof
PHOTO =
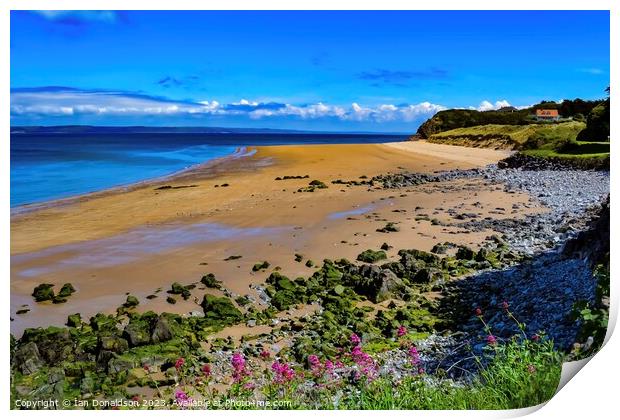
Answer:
(547, 113)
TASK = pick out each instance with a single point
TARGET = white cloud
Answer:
(107, 16)
(592, 70)
(488, 106)
(66, 101)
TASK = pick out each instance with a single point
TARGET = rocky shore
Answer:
(437, 301)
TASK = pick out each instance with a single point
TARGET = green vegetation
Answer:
(510, 136)
(580, 138)
(522, 374)
(210, 281)
(261, 266)
(370, 256)
(597, 123)
(594, 318)
(463, 118)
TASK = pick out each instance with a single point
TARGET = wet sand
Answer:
(141, 239)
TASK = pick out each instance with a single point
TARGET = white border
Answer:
(591, 395)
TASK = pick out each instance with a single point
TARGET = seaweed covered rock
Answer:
(210, 281)
(376, 284)
(112, 343)
(280, 282)
(27, 358)
(389, 227)
(179, 289)
(427, 276)
(43, 292)
(137, 332)
(74, 320)
(283, 299)
(54, 344)
(220, 309)
(66, 290)
(162, 331)
(131, 302)
(465, 253)
(102, 322)
(317, 184)
(370, 256)
(261, 266)
(120, 364)
(408, 255)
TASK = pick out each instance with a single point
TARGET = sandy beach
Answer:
(140, 240)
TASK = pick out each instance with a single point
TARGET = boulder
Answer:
(280, 281)
(74, 320)
(131, 302)
(427, 276)
(261, 266)
(43, 292)
(87, 385)
(136, 333)
(416, 254)
(370, 256)
(389, 227)
(66, 290)
(210, 281)
(112, 343)
(465, 253)
(55, 344)
(220, 309)
(27, 358)
(376, 284)
(101, 322)
(283, 300)
(162, 331)
(120, 364)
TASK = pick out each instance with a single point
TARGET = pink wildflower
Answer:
(182, 398)
(478, 312)
(355, 340)
(414, 355)
(206, 369)
(505, 305)
(315, 365)
(239, 369)
(179, 363)
(401, 331)
(147, 368)
(283, 372)
(265, 354)
(491, 340)
(535, 337)
(364, 361)
(249, 386)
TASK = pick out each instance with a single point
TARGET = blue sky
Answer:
(346, 71)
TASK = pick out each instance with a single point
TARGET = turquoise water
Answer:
(52, 166)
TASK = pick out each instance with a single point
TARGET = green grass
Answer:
(517, 134)
(522, 374)
(547, 153)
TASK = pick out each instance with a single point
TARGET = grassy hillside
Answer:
(462, 118)
(511, 136)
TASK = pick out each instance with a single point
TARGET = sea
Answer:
(50, 166)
